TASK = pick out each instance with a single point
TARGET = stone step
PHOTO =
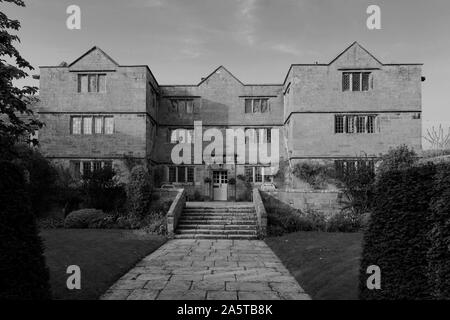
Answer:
(218, 226)
(220, 211)
(216, 221)
(215, 237)
(216, 217)
(213, 231)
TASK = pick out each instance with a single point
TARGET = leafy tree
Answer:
(15, 115)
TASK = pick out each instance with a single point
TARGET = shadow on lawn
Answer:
(325, 264)
(103, 256)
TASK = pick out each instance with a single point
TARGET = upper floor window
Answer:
(92, 82)
(257, 105)
(92, 125)
(356, 81)
(354, 124)
(182, 105)
(181, 135)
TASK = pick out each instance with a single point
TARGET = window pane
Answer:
(97, 166)
(339, 124)
(181, 106)
(98, 125)
(86, 167)
(248, 105)
(173, 106)
(356, 81)
(102, 83)
(365, 81)
(258, 174)
(360, 124)
(345, 81)
(172, 174)
(82, 83)
(109, 125)
(107, 164)
(190, 174)
(249, 174)
(181, 174)
(87, 125)
(189, 106)
(269, 135)
(350, 124)
(370, 124)
(92, 83)
(257, 105)
(264, 105)
(76, 125)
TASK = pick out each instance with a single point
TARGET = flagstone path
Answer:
(208, 269)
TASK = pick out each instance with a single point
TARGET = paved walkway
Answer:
(208, 269)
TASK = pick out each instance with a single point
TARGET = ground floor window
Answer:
(181, 174)
(258, 174)
(82, 167)
(348, 167)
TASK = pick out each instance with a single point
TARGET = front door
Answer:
(220, 185)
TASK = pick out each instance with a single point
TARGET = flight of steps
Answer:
(217, 222)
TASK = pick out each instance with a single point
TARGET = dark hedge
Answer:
(23, 272)
(439, 252)
(397, 238)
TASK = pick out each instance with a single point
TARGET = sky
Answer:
(257, 40)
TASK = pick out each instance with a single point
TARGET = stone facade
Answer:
(304, 108)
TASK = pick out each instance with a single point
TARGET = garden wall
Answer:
(325, 201)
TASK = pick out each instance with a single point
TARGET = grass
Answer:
(102, 255)
(325, 264)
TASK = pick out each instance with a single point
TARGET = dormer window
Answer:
(92, 82)
(357, 81)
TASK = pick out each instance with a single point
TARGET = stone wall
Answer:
(327, 202)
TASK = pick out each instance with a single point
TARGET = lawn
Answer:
(325, 264)
(102, 255)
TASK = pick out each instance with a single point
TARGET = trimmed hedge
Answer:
(84, 218)
(23, 272)
(397, 236)
(439, 253)
(139, 192)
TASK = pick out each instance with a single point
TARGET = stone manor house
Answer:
(100, 113)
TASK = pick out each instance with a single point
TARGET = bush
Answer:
(439, 253)
(23, 271)
(102, 192)
(344, 222)
(41, 176)
(139, 192)
(315, 174)
(51, 223)
(397, 236)
(280, 222)
(398, 158)
(84, 218)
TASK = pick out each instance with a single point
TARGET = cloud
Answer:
(247, 19)
(286, 48)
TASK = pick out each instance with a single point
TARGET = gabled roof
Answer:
(354, 44)
(89, 51)
(217, 69)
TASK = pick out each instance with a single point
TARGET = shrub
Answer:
(284, 221)
(344, 222)
(51, 223)
(139, 192)
(398, 158)
(439, 254)
(41, 176)
(84, 218)
(101, 191)
(397, 236)
(24, 274)
(314, 173)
